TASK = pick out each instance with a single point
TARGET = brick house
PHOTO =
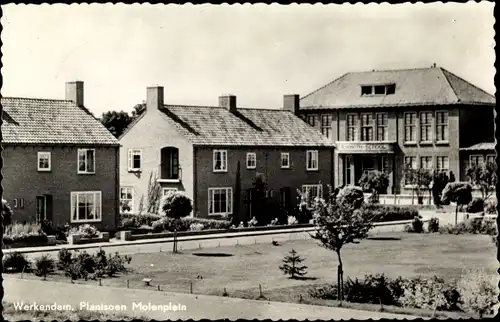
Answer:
(60, 162)
(197, 149)
(382, 120)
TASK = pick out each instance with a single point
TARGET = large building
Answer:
(384, 120)
(60, 163)
(197, 149)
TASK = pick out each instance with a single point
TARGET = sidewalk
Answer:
(196, 306)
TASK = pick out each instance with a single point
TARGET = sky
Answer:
(256, 52)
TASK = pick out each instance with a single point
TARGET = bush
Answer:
(429, 293)
(292, 220)
(175, 204)
(352, 195)
(323, 292)
(386, 213)
(375, 182)
(95, 266)
(253, 222)
(475, 206)
(417, 225)
(132, 221)
(44, 265)
(86, 231)
(6, 213)
(183, 224)
(478, 291)
(15, 263)
(116, 264)
(433, 225)
(196, 227)
(484, 227)
(490, 206)
(64, 259)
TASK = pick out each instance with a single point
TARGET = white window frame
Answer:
(312, 155)
(86, 160)
(308, 187)
(14, 203)
(223, 154)
(413, 126)
(354, 126)
(311, 120)
(131, 204)
(443, 157)
(439, 124)
(421, 162)
(49, 158)
(251, 157)
(413, 158)
(165, 190)
(369, 116)
(476, 156)
(382, 126)
(131, 154)
(490, 156)
(287, 158)
(97, 195)
(326, 126)
(229, 201)
(384, 161)
(427, 125)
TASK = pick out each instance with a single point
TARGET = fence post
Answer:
(128, 283)
(191, 287)
(159, 287)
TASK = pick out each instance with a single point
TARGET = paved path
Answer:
(197, 306)
(190, 242)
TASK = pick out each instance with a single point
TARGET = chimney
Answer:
(74, 92)
(291, 103)
(154, 98)
(228, 102)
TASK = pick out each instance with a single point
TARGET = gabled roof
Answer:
(485, 146)
(46, 121)
(424, 86)
(205, 125)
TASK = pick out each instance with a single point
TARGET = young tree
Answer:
(439, 181)
(176, 205)
(484, 177)
(259, 200)
(44, 265)
(338, 221)
(420, 179)
(374, 181)
(292, 265)
(458, 192)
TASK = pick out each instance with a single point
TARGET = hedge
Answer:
(390, 212)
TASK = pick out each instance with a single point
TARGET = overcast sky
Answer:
(256, 52)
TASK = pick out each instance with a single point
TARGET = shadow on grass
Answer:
(303, 278)
(213, 254)
(383, 238)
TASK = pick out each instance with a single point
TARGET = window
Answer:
(326, 125)
(369, 90)
(442, 126)
(134, 160)
(490, 158)
(285, 160)
(251, 160)
(43, 161)
(385, 164)
(21, 203)
(14, 203)
(476, 160)
(366, 90)
(382, 126)
(126, 199)
(410, 134)
(367, 163)
(312, 191)
(380, 90)
(85, 206)
(411, 162)
(167, 190)
(312, 160)
(426, 127)
(220, 201)
(86, 161)
(390, 89)
(426, 163)
(169, 168)
(367, 127)
(352, 127)
(311, 119)
(220, 161)
(442, 164)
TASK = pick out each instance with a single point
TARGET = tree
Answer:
(339, 221)
(420, 179)
(176, 205)
(291, 265)
(116, 122)
(483, 176)
(154, 193)
(458, 192)
(138, 110)
(374, 181)
(439, 181)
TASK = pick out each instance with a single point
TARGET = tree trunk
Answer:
(340, 279)
(456, 214)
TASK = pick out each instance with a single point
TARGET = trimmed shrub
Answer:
(478, 292)
(490, 206)
(417, 225)
(385, 213)
(475, 206)
(44, 265)
(196, 227)
(86, 231)
(352, 195)
(484, 227)
(433, 225)
(15, 263)
(132, 221)
(175, 204)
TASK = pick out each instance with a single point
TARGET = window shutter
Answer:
(130, 159)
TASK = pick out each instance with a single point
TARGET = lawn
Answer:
(239, 270)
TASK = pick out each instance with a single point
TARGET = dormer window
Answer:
(371, 90)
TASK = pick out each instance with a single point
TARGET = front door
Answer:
(41, 208)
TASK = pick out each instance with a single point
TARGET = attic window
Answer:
(370, 90)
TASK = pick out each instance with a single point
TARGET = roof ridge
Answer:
(37, 99)
(185, 105)
(441, 69)
(463, 80)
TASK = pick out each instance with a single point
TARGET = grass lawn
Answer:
(10, 313)
(241, 269)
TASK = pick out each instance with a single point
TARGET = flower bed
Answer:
(26, 235)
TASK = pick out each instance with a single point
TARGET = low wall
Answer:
(77, 239)
(51, 240)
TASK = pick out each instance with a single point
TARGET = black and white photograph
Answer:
(248, 161)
